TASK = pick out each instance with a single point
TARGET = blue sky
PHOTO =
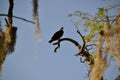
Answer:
(34, 60)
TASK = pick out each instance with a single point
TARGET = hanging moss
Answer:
(2, 49)
(7, 43)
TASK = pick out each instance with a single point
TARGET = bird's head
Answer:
(61, 28)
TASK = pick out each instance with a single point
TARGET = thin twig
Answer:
(113, 21)
(7, 22)
(78, 31)
(19, 18)
(90, 45)
(84, 52)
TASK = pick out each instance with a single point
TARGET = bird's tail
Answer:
(50, 41)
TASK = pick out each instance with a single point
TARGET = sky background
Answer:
(34, 60)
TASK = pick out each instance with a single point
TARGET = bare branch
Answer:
(58, 46)
(113, 20)
(67, 39)
(78, 31)
(91, 45)
(10, 12)
(19, 18)
(82, 51)
(6, 22)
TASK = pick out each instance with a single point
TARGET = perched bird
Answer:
(57, 35)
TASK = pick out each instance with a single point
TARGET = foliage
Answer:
(103, 30)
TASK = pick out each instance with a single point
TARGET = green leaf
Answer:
(101, 12)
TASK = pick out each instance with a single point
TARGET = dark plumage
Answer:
(57, 35)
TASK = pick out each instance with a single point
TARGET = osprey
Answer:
(57, 35)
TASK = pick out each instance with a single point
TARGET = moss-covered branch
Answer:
(8, 36)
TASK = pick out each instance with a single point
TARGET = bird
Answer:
(57, 35)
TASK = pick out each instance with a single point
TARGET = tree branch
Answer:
(10, 12)
(67, 39)
(82, 52)
(83, 47)
(19, 18)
